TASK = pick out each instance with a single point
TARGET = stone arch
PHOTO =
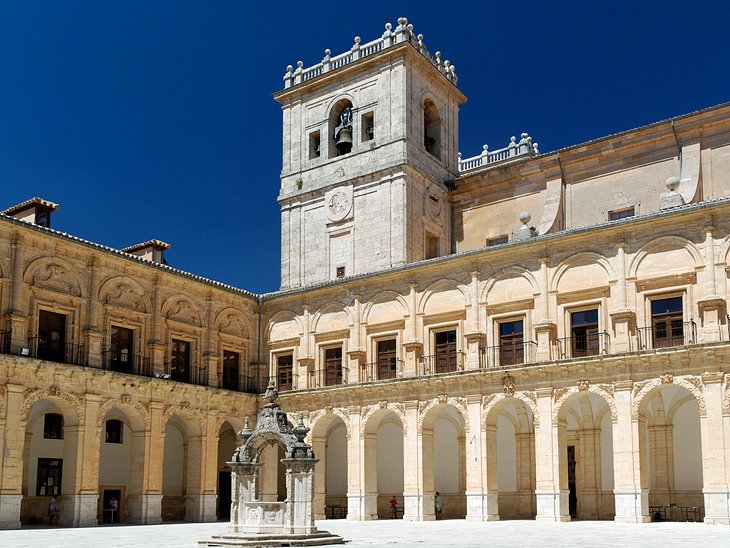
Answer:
(425, 408)
(664, 244)
(282, 324)
(233, 421)
(231, 321)
(383, 306)
(139, 418)
(193, 419)
(592, 269)
(676, 405)
(70, 404)
(562, 395)
(644, 389)
(325, 417)
(505, 275)
(374, 414)
(491, 405)
(437, 297)
(330, 317)
(124, 292)
(54, 273)
(181, 308)
(334, 110)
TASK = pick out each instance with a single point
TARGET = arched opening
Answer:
(329, 443)
(341, 128)
(226, 446)
(511, 460)
(672, 453)
(585, 437)
(272, 484)
(444, 461)
(431, 128)
(49, 461)
(383, 443)
(174, 478)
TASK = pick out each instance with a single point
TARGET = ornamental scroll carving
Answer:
(183, 311)
(3, 410)
(54, 276)
(458, 403)
(561, 395)
(123, 294)
(31, 396)
(726, 396)
(398, 408)
(183, 410)
(343, 414)
(125, 401)
(528, 398)
(693, 384)
(231, 324)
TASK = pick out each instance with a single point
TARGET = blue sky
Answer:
(155, 119)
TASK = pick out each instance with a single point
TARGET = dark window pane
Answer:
(49, 477)
(53, 426)
(114, 431)
(231, 361)
(284, 371)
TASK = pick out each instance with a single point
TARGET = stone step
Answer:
(321, 538)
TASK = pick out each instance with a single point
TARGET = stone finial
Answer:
(271, 392)
(357, 40)
(485, 150)
(525, 232)
(672, 198)
(672, 183)
(402, 21)
(327, 53)
(535, 149)
(524, 217)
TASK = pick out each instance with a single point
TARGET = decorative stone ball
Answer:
(402, 20)
(327, 52)
(673, 183)
(300, 64)
(525, 217)
(388, 26)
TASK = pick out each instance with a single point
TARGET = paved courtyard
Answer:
(395, 533)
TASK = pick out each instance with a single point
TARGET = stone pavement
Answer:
(394, 533)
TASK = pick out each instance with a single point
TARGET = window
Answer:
(53, 426)
(114, 431)
(231, 363)
(314, 144)
(431, 129)
(584, 333)
(340, 126)
(511, 343)
(284, 371)
(621, 214)
(432, 246)
(51, 338)
(445, 347)
(667, 322)
(180, 362)
(49, 477)
(340, 271)
(367, 123)
(333, 366)
(387, 359)
(499, 240)
(121, 349)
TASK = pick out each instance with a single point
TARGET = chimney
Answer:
(36, 211)
(151, 250)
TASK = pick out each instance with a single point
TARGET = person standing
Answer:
(439, 505)
(114, 507)
(52, 510)
(393, 508)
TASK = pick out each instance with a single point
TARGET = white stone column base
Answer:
(482, 506)
(552, 505)
(418, 507)
(362, 507)
(78, 510)
(717, 506)
(10, 511)
(200, 508)
(631, 506)
(144, 509)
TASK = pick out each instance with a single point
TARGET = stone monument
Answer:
(255, 522)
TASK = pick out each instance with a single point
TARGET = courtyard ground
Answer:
(394, 533)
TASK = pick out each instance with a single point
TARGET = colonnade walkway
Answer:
(395, 533)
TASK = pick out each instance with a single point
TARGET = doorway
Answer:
(110, 514)
(224, 495)
(572, 493)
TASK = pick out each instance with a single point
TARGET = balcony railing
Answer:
(581, 346)
(327, 377)
(442, 363)
(56, 351)
(650, 337)
(187, 373)
(504, 356)
(5, 341)
(374, 372)
(135, 364)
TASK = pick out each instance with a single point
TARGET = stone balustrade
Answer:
(402, 33)
(522, 148)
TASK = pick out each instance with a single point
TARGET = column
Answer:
(412, 345)
(93, 335)
(319, 447)
(355, 467)
(418, 490)
(622, 318)
(550, 462)
(156, 344)
(474, 336)
(711, 304)
(12, 443)
(148, 452)
(630, 477)
(480, 506)
(715, 452)
(545, 329)
(202, 486)
(299, 480)
(17, 320)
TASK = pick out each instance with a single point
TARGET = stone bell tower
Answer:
(370, 140)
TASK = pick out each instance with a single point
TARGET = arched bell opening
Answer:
(341, 136)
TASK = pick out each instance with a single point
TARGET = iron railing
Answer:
(134, 364)
(184, 372)
(56, 351)
(5, 337)
(650, 337)
(327, 377)
(581, 346)
(506, 355)
(375, 372)
(437, 364)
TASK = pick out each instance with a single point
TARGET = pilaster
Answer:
(715, 451)
(11, 459)
(552, 500)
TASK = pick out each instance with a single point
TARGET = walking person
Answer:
(393, 508)
(52, 511)
(439, 505)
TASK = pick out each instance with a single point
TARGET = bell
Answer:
(344, 141)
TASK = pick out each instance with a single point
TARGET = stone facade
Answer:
(562, 354)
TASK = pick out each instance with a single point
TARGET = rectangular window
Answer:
(340, 271)
(231, 364)
(180, 360)
(51, 336)
(333, 366)
(445, 346)
(284, 371)
(511, 343)
(368, 126)
(121, 349)
(387, 359)
(114, 431)
(584, 333)
(432, 246)
(499, 240)
(49, 477)
(621, 214)
(314, 144)
(667, 322)
(53, 426)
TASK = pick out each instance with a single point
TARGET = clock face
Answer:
(338, 206)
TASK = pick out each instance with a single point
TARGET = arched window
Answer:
(431, 128)
(340, 128)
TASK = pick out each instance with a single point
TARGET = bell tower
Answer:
(370, 141)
